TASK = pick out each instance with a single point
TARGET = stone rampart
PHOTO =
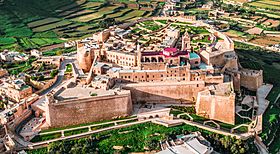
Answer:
(216, 107)
(78, 111)
(165, 92)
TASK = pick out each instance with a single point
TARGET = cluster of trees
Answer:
(227, 144)
(106, 23)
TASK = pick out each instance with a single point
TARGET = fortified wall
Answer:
(251, 79)
(165, 92)
(85, 110)
(217, 103)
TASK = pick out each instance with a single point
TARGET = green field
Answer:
(45, 22)
(266, 4)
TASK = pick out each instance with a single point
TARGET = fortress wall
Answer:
(153, 66)
(214, 79)
(251, 81)
(218, 60)
(165, 92)
(221, 108)
(73, 112)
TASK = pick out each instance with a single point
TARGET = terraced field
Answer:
(46, 21)
(266, 4)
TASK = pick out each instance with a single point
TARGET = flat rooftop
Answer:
(80, 91)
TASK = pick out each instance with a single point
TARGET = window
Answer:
(197, 85)
(142, 76)
(147, 76)
(184, 74)
(161, 75)
(129, 77)
(135, 76)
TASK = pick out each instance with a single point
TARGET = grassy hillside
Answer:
(257, 58)
(27, 24)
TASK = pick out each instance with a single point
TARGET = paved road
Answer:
(261, 147)
(60, 76)
(58, 81)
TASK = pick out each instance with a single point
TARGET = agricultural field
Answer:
(45, 23)
(266, 40)
(234, 33)
(266, 4)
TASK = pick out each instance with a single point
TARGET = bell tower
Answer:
(186, 42)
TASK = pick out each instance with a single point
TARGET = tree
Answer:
(53, 73)
(58, 52)
(107, 22)
(41, 78)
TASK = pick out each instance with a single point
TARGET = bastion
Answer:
(86, 107)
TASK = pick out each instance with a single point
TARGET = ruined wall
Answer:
(216, 107)
(73, 112)
(165, 92)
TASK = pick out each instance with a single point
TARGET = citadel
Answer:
(119, 68)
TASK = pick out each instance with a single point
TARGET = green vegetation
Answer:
(162, 21)
(6, 41)
(205, 39)
(93, 94)
(266, 4)
(45, 22)
(235, 33)
(69, 68)
(77, 131)
(185, 109)
(17, 67)
(59, 51)
(264, 60)
(102, 126)
(86, 124)
(139, 137)
(191, 110)
(40, 138)
(176, 112)
(125, 122)
(150, 25)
